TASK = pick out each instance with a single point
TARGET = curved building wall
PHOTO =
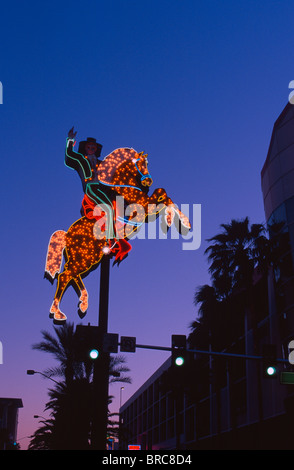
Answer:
(277, 176)
(277, 182)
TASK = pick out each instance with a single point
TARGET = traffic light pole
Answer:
(101, 366)
(104, 294)
(209, 353)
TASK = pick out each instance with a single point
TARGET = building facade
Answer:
(225, 402)
(277, 180)
(9, 421)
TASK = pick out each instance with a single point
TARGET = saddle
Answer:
(119, 247)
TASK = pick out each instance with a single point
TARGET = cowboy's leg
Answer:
(100, 198)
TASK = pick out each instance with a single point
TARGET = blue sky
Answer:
(196, 85)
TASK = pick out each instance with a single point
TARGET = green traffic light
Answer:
(179, 361)
(94, 354)
(271, 370)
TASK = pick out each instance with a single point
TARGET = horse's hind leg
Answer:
(63, 280)
(83, 304)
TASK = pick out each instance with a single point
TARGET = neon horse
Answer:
(124, 176)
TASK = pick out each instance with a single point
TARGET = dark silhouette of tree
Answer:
(239, 256)
(236, 255)
(42, 438)
(71, 400)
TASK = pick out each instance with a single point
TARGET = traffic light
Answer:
(179, 345)
(91, 342)
(94, 353)
(110, 343)
(269, 360)
(128, 344)
(88, 342)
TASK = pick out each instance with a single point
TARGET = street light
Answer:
(120, 400)
(32, 372)
(120, 418)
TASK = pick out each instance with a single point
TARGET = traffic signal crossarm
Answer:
(209, 353)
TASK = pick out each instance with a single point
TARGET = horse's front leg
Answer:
(143, 206)
(159, 201)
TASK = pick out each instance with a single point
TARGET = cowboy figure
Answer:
(86, 162)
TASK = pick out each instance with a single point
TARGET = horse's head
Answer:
(125, 167)
(141, 164)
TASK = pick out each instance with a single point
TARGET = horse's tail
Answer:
(55, 254)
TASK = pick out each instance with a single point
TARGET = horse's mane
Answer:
(112, 161)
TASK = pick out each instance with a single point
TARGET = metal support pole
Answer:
(104, 294)
(101, 366)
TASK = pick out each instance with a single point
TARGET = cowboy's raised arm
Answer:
(76, 160)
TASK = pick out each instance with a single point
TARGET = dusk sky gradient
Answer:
(195, 84)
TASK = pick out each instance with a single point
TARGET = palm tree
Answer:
(71, 399)
(206, 297)
(42, 437)
(235, 254)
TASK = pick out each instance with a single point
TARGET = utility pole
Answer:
(101, 366)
